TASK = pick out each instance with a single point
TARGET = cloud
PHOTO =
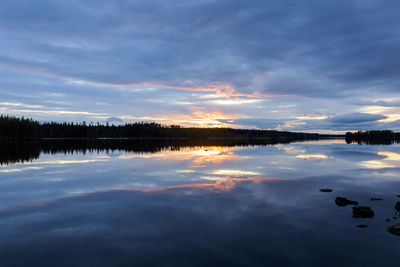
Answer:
(256, 123)
(114, 119)
(165, 53)
(258, 46)
(381, 103)
(357, 118)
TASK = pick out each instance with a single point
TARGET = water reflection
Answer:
(20, 152)
(279, 222)
(387, 160)
(60, 170)
(200, 205)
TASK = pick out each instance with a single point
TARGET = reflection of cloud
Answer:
(199, 156)
(391, 160)
(20, 170)
(340, 141)
(312, 156)
(290, 149)
(376, 164)
(221, 185)
(62, 162)
(392, 156)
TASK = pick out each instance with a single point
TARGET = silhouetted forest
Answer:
(21, 128)
(373, 137)
(24, 151)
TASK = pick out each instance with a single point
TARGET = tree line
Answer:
(373, 137)
(13, 128)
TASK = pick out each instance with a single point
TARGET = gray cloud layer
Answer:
(292, 47)
(357, 118)
(314, 49)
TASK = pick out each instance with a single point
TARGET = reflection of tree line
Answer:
(20, 128)
(23, 151)
(384, 137)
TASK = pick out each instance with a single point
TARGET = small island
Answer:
(373, 137)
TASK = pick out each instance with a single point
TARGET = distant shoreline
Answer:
(21, 128)
(320, 137)
(373, 137)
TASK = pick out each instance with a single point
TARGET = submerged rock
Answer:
(363, 212)
(394, 229)
(342, 201)
(376, 199)
(362, 225)
(387, 220)
(397, 207)
(326, 190)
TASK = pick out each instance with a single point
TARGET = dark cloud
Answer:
(357, 118)
(304, 48)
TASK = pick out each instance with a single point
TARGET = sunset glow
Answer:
(199, 133)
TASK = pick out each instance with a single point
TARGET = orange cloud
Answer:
(218, 87)
(199, 117)
(221, 185)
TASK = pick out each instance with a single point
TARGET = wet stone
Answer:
(397, 207)
(342, 201)
(394, 229)
(363, 212)
(326, 190)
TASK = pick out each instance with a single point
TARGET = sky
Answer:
(315, 66)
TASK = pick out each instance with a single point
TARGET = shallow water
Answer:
(201, 205)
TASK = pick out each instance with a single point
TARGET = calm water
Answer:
(200, 206)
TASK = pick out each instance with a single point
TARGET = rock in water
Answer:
(397, 207)
(362, 225)
(394, 229)
(342, 201)
(325, 190)
(376, 199)
(363, 212)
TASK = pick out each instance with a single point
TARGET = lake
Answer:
(140, 204)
